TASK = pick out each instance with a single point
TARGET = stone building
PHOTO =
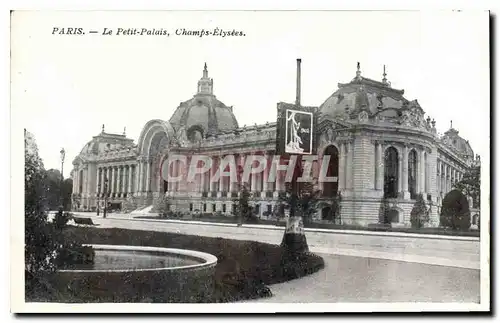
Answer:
(383, 150)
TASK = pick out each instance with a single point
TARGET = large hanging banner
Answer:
(298, 132)
(295, 130)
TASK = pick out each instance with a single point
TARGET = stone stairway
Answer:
(142, 211)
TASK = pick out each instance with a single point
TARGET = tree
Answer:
(162, 206)
(455, 212)
(39, 246)
(57, 191)
(67, 192)
(419, 214)
(470, 185)
(45, 249)
(243, 209)
(304, 202)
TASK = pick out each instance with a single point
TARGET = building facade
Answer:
(383, 150)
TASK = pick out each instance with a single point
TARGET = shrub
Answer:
(455, 212)
(84, 221)
(61, 219)
(45, 244)
(419, 214)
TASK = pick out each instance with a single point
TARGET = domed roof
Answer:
(204, 111)
(452, 139)
(363, 94)
(104, 142)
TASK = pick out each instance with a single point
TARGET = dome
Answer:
(105, 142)
(204, 112)
(452, 138)
(363, 94)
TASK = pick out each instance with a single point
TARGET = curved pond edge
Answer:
(185, 284)
(206, 259)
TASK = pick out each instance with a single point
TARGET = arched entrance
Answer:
(391, 173)
(326, 213)
(330, 188)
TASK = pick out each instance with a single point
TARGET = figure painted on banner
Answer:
(295, 140)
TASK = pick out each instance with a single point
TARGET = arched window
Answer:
(412, 174)
(391, 173)
(331, 188)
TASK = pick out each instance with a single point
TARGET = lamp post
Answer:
(63, 154)
(105, 190)
(98, 195)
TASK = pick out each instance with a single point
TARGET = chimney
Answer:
(297, 98)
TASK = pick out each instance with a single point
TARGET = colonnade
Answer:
(447, 176)
(423, 174)
(118, 180)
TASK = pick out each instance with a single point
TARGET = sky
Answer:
(65, 87)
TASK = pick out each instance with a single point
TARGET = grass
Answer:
(319, 225)
(243, 267)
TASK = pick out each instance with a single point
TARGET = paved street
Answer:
(358, 267)
(355, 279)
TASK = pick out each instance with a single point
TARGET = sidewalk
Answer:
(413, 248)
(135, 217)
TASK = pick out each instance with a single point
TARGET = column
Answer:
(125, 179)
(443, 177)
(253, 184)
(130, 178)
(97, 182)
(428, 189)
(438, 176)
(421, 170)
(84, 182)
(406, 194)
(118, 180)
(379, 170)
(202, 182)
(103, 175)
(112, 179)
(222, 188)
(108, 176)
(139, 176)
(348, 166)
(147, 187)
(454, 177)
(212, 172)
(265, 175)
(447, 175)
(401, 176)
(75, 181)
(342, 173)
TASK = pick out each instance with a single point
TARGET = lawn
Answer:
(243, 268)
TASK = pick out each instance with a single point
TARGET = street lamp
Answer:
(98, 195)
(105, 190)
(63, 154)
